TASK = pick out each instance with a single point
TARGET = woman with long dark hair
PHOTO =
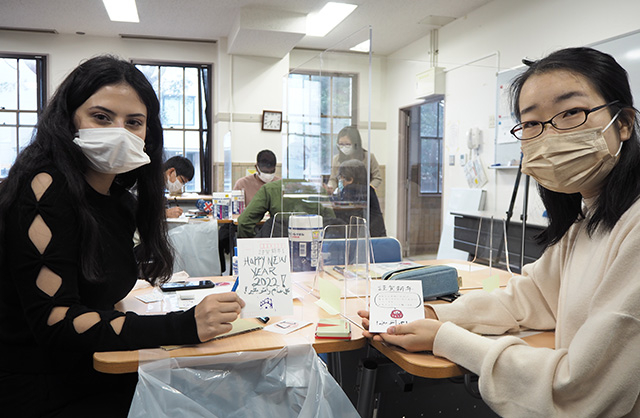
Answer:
(350, 148)
(67, 221)
(579, 138)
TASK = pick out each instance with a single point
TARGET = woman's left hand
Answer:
(414, 336)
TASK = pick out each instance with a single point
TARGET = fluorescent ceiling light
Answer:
(122, 10)
(362, 46)
(321, 23)
(634, 54)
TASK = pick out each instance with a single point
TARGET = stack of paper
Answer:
(334, 329)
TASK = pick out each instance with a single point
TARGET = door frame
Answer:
(404, 119)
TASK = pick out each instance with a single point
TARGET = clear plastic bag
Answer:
(291, 382)
(196, 248)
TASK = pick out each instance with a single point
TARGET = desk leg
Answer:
(367, 388)
(335, 366)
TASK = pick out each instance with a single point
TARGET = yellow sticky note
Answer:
(491, 283)
(329, 297)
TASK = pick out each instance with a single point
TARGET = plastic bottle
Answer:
(234, 263)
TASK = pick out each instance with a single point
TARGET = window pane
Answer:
(28, 83)
(342, 98)
(429, 119)
(192, 152)
(322, 97)
(8, 118)
(151, 72)
(173, 141)
(7, 149)
(26, 134)
(28, 118)
(429, 164)
(296, 156)
(191, 101)
(441, 118)
(171, 97)
(8, 83)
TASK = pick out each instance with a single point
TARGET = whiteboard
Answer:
(624, 48)
(507, 148)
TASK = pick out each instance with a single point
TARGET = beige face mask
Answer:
(571, 162)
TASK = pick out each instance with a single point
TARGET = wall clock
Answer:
(271, 120)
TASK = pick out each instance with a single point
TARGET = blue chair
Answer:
(382, 250)
(386, 250)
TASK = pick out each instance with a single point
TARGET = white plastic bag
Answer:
(291, 382)
(196, 248)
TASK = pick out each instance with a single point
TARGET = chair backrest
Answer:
(386, 250)
(383, 250)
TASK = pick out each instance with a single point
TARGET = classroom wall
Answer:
(495, 37)
(498, 35)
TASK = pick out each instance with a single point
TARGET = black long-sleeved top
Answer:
(27, 343)
(356, 195)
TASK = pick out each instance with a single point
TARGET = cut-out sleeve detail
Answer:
(85, 321)
(48, 281)
(57, 314)
(40, 184)
(47, 304)
(117, 324)
(39, 234)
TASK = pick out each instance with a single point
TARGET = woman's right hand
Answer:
(215, 314)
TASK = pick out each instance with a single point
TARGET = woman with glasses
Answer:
(579, 138)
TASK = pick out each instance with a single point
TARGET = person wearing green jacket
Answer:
(271, 198)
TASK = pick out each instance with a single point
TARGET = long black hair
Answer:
(53, 145)
(621, 188)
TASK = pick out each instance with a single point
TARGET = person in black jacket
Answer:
(352, 197)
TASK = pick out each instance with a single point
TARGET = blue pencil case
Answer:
(436, 281)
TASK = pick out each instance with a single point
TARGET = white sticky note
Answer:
(394, 302)
(264, 272)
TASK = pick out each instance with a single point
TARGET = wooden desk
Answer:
(430, 366)
(116, 362)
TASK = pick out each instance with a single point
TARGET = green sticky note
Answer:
(329, 296)
(491, 283)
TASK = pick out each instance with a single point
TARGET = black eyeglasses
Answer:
(564, 120)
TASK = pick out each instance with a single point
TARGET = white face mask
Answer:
(266, 177)
(572, 162)
(346, 149)
(112, 150)
(174, 186)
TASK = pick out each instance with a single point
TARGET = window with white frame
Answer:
(22, 98)
(184, 92)
(319, 106)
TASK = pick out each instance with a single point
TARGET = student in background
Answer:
(270, 199)
(178, 171)
(67, 220)
(350, 148)
(579, 138)
(265, 173)
(352, 191)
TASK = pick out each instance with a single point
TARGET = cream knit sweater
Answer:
(588, 290)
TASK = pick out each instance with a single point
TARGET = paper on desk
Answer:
(264, 273)
(395, 302)
(286, 326)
